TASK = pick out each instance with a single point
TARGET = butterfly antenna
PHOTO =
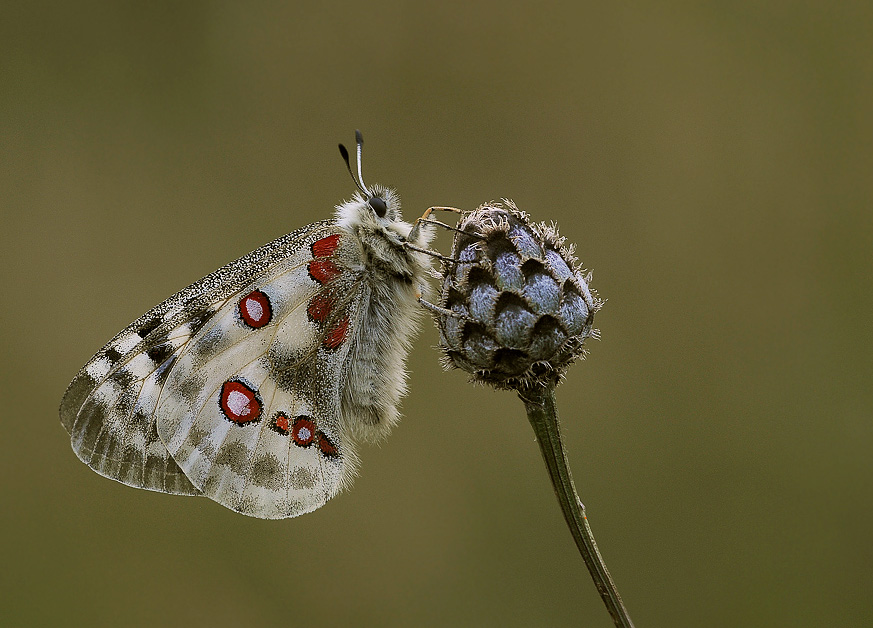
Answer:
(359, 140)
(345, 153)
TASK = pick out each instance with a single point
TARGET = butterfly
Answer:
(253, 385)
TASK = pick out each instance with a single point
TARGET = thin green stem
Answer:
(539, 401)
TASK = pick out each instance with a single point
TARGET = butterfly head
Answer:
(374, 209)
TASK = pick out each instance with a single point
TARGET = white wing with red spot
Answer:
(250, 409)
(229, 388)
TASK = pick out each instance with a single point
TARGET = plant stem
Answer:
(539, 401)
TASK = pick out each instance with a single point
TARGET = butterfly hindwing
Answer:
(109, 408)
(249, 410)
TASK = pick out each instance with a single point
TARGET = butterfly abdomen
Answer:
(392, 278)
(376, 378)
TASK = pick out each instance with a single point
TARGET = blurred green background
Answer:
(712, 161)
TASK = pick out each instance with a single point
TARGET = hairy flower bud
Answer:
(521, 308)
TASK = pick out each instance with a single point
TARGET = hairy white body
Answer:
(393, 278)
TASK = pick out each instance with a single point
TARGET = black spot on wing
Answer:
(283, 358)
(207, 449)
(197, 434)
(200, 319)
(299, 379)
(234, 456)
(141, 421)
(267, 472)
(123, 378)
(164, 371)
(191, 387)
(148, 327)
(125, 402)
(211, 343)
(302, 478)
(159, 353)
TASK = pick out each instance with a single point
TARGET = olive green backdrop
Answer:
(712, 161)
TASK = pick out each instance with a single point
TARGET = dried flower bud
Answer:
(521, 306)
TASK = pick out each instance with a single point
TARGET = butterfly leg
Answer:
(431, 221)
(439, 310)
(413, 235)
(425, 219)
(439, 256)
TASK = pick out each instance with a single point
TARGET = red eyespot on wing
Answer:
(281, 424)
(323, 270)
(337, 335)
(255, 309)
(319, 307)
(303, 432)
(326, 446)
(326, 246)
(239, 403)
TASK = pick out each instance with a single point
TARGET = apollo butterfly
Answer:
(253, 385)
